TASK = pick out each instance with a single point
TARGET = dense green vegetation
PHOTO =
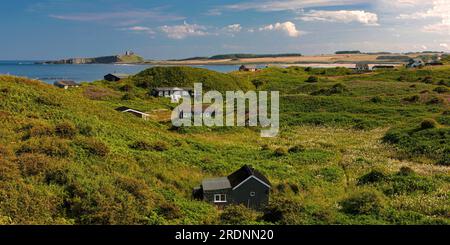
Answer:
(353, 149)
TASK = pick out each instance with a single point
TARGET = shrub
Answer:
(441, 90)
(284, 212)
(33, 164)
(41, 130)
(312, 79)
(428, 123)
(141, 145)
(279, 152)
(49, 146)
(445, 159)
(406, 171)
(373, 176)
(65, 130)
(412, 99)
(257, 83)
(237, 215)
(376, 99)
(8, 170)
(160, 146)
(435, 101)
(85, 129)
(95, 147)
(126, 88)
(363, 202)
(428, 80)
(296, 149)
(48, 101)
(401, 184)
(170, 211)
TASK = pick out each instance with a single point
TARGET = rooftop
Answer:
(216, 184)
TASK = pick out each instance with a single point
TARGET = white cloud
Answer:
(444, 45)
(128, 17)
(234, 28)
(139, 29)
(343, 16)
(184, 30)
(282, 5)
(288, 27)
(439, 9)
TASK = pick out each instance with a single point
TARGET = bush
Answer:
(160, 146)
(170, 211)
(296, 149)
(312, 79)
(406, 171)
(412, 99)
(279, 152)
(363, 203)
(373, 176)
(428, 123)
(428, 80)
(53, 147)
(441, 90)
(401, 184)
(95, 147)
(33, 164)
(376, 99)
(41, 130)
(284, 212)
(66, 130)
(435, 101)
(237, 215)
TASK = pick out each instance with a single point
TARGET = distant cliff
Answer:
(100, 60)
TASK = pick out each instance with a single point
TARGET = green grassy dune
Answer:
(353, 149)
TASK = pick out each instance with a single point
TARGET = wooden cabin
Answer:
(115, 77)
(246, 186)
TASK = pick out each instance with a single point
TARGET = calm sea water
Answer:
(80, 73)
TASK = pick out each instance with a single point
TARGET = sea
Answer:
(50, 73)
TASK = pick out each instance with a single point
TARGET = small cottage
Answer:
(434, 63)
(182, 114)
(250, 68)
(415, 63)
(115, 77)
(137, 113)
(246, 186)
(171, 91)
(362, 67)
(66, 84)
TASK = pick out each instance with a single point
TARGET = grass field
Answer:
(353, 149)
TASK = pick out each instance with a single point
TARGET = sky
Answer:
(172, 29)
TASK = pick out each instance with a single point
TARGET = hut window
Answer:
(252, 194)
(220, 198)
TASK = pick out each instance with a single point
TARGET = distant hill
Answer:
(348, 52)
(131, 58)
(241, 56)
(187, 76)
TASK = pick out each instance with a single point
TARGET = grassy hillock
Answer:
(130, 59)
(352, 149)
(187, 76)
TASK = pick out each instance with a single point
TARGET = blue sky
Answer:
(51, 29)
